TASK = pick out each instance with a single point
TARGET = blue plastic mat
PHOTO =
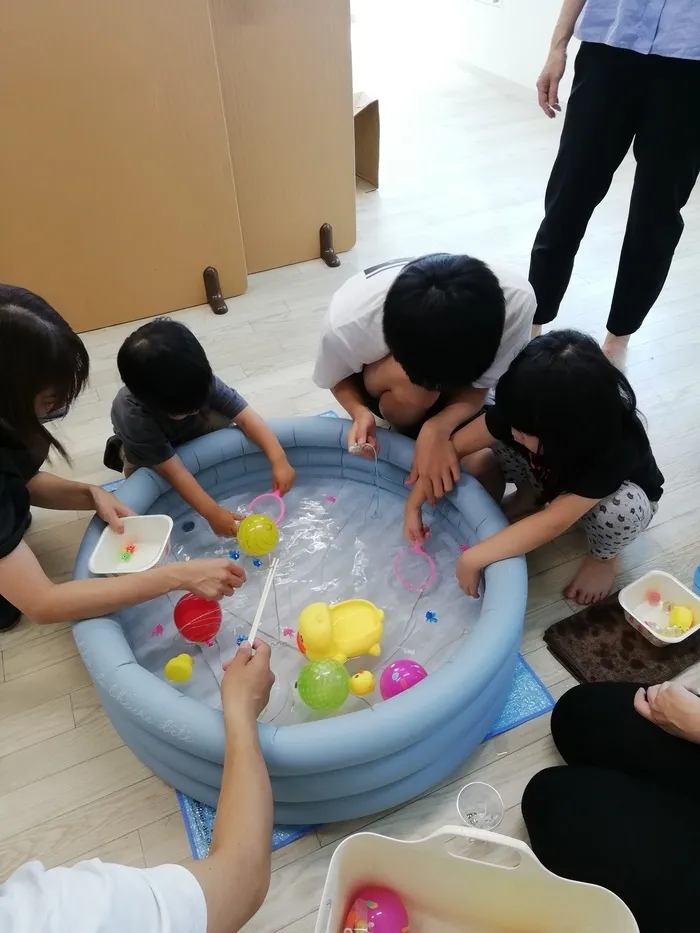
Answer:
(528, 699)
(199, 823)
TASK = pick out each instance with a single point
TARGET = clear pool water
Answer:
(338, 540)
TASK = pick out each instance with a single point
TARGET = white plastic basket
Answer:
(448, 893)
(149, 533)
(671, 590)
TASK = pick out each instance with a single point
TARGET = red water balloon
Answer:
(198, 619)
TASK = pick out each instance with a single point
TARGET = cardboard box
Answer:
(366, 114)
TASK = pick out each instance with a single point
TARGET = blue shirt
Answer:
(652, 27)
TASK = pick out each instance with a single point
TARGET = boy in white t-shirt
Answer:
(421, 343)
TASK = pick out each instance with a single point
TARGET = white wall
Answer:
(510, 41)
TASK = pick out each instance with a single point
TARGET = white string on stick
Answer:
(357, 449)
(263, 600)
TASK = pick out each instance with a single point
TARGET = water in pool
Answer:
(338, 541)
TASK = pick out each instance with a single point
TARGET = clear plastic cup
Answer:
(480, 805)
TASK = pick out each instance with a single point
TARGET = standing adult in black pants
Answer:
(625, 811)
(636, 82)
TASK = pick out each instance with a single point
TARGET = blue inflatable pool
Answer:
(351, 765)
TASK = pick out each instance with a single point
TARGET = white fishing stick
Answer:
(263, 600)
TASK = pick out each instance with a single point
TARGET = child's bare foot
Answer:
(519, 504)
(593, 581)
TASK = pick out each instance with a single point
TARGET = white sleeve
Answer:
(333, 360)
(520, 311)
(95, 897)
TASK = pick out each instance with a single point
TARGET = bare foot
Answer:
(615, 348)
(592, 582)
(520, 503)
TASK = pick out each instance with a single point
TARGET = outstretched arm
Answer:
(473, 437)
(413, 527)
(24, 584)
(520, 538)
(217, 895)
(48, 491)
(236, 874)
(223, 523)
(435, 459)
(260, 433)
(364, 425)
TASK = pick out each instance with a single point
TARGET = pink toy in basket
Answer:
(400, 571)
(378, 910)
(277, 496)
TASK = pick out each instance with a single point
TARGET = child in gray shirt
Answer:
(171, 396)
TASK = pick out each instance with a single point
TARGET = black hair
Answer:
(443, 320)
(562, 389)
(39, 352)
(164, 366)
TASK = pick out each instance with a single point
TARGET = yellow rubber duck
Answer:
(343, 631)
(179, 669)
(681, 617)
(362, 683)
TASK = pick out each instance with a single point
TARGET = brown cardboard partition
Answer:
(286, 80)
(151, 139)
(366, 113)
(115, 173)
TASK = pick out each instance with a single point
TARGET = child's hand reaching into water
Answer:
(413, 527)
(283, 476)
(435, 462)
(469, 574)
(223, 523)
(362, 433)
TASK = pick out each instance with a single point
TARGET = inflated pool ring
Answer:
(347, 766)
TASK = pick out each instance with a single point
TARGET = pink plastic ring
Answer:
(270, 495)
(416, 548)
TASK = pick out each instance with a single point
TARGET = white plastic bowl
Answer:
(633, 600)
(149, 533)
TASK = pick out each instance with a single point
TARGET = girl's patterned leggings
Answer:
(610, 525)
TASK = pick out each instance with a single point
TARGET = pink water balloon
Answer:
(379, 910)
(399, 676)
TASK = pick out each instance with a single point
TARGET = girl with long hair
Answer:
(44, 367)
(565, 430)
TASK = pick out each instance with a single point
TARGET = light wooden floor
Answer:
(463, 168)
